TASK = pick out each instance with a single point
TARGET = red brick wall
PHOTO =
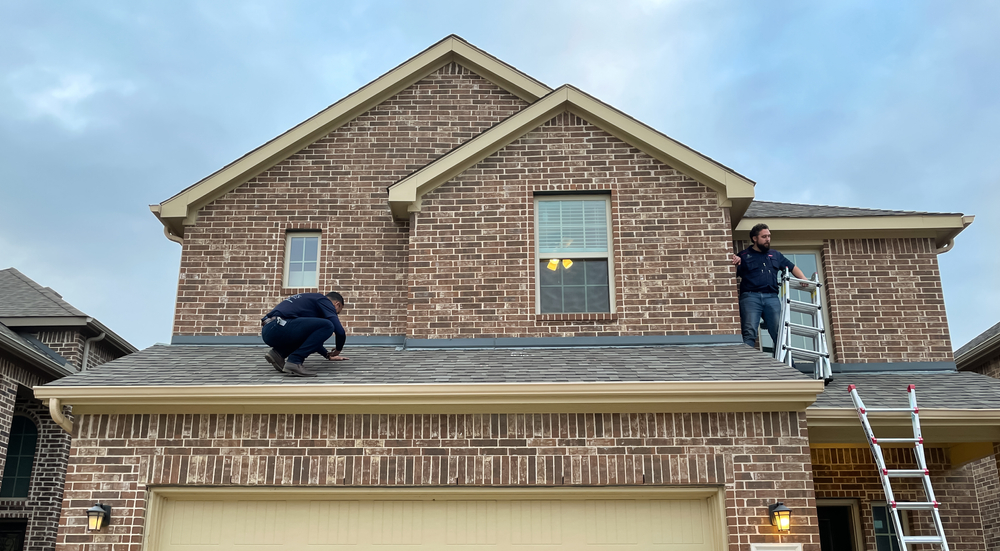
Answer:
(850, 473)
(232, 260)
(886, 302)
(759, 457)
(472, 263)
(68, 343)
(988, 492)
(989, 367)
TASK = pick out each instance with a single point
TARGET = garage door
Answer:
(471, 520)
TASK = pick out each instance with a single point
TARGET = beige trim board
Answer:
(941, 227)
(181, 210)
(734, 190)
(712, 396)
(939, 426)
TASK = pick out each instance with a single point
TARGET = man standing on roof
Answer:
(298, 326)
(758, 267)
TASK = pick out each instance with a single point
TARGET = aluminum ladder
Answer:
(783, 349)
(920, 472)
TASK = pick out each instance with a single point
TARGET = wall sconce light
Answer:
(98, 516)
(781, 516)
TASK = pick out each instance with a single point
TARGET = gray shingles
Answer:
(979, 339)
(944, 389)
(239, 365)
(22, 297)
(767, 209)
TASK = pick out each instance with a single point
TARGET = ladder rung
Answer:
(804, 352)
(915, 505)
(809, 284)
(890, 410)
(799, 329)
(923, 539)
(804, 307)
(898, 440)
(904, 473)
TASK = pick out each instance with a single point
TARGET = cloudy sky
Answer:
(109, 106)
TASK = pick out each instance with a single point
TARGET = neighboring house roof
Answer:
(25, 303)
(981, 347)
(792, 221)
(203, 377)
(181, 209)
(734, 190)
(34, 353)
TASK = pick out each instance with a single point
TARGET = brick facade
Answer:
(472, 259)
(987, 480)
(851, 473)
(886, 302)
(989, 367)
(758, 457)
(232, 260)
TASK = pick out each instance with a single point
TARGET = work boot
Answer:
(298, 370)
(275, 359)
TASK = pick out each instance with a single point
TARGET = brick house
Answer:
(544, 340)
(42, 338)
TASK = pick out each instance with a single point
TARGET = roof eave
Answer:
(943, 228)
(982, 351)
(938, 425)
(35, 358)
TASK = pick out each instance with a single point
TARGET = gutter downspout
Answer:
(86, 348)
(55, 410)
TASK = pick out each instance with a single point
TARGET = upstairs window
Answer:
(302, 260)
(20, 458)
(574, 254)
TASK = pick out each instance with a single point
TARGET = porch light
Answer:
(781, 516)
(98, 516)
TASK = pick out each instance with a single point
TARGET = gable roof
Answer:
(181, 209)
(34, 353)
(799, 222)
(25, 303)
(980, 347)
(734, 190)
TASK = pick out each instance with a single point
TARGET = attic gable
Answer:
(734, 190)
(181, 210)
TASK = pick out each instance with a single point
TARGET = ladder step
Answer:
(905, 473)
(805, 330)
(808, 283)
(803, 307)
(897, 441)
(923, 539)
(803, 352)
(915, 505)
(890, 410)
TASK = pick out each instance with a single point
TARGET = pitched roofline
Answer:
(71, 321)
(734, 190)
(181, 209)
(619, 397)
(967, 358)
(34, 357)
(941, 227)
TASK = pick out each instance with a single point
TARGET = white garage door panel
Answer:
(411, 525)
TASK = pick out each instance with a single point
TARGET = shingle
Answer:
(767, 209)
(245, 365)
(943, 389)
(22, 297)
(979, 339)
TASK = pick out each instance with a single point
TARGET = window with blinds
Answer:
(574, 260)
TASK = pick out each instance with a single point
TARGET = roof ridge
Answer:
(47, 292)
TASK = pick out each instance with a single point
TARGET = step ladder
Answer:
(920, 472)
(784, 350)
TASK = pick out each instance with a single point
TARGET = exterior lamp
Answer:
(98, 516)
(781, 516)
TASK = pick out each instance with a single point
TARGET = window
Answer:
(20, 458)
(301, 260)
(574, 254)
(808, 262)
(885, 531)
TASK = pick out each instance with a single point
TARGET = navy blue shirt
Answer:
(759, 271)
(311, 305)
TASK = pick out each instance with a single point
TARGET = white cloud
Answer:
(64, 97)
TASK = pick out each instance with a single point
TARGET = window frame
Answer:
(31, 469)
(607, 255)
(289, 235)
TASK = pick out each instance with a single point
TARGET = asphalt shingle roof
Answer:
(22, 297)
(935, 389)
(979, 339)
(180, 365)
(767, 209)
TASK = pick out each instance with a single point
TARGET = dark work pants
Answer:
(298, 338)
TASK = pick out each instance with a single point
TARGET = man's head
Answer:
(337, 300)
(761, 237)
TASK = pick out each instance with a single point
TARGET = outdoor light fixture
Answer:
(781, 516)
(98, 516)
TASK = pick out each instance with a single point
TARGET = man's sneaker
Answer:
(275, 359)
(298, 370)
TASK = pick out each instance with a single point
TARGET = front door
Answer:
(835, 528)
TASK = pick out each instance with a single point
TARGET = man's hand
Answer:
(336, 357)
(736, 260)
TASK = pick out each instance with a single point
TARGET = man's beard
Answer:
(764, 247)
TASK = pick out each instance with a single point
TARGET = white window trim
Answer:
(288, 253)
(608, 255)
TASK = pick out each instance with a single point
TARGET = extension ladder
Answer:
(920, 472)
(784, 351)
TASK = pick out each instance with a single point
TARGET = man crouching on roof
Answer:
(298, 326)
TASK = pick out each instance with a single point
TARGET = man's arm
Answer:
(330, 313)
